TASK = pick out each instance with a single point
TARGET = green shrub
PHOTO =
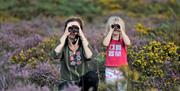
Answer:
(27, 9)
(157, 64)
(101, 65)
(34, 55)
(141, 7)
(168, 31)
(142, 29)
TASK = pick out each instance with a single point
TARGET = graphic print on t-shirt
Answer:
(111, 53)
(114, 50)
(75, 59)
(112, 47)
(118, 47)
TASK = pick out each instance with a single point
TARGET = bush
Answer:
(167, 31)
(45, 74)
(157, 64)
(100, 62)
(142, 29)
(6, 78)
(141, 7)
(35, 55)
(26, 9)
(29, 87)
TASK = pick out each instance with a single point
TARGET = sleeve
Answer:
(55, 55)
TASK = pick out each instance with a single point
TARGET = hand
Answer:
(122, 31)
(77, 41)
(64, 36)
(111, 29)
(66, 32)
(80, 32)
(83, 38)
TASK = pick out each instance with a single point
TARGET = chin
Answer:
(71, 36)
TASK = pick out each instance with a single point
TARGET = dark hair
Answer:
(77, 19)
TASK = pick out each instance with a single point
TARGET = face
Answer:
(73, 28)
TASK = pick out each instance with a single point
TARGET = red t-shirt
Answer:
(116, 53)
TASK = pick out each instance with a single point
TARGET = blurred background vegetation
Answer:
(28, 9)
(30, 29)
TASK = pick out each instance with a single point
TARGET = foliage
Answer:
(101, 68)
(72, 87)
(27, 9)
(29, 87)
(167, 31)
(6, 78)
(27, 43)
(45, 74)
(35, 55)
(142, 29)
(157, 64)
(141, 7)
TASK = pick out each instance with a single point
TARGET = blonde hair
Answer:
(115, 20)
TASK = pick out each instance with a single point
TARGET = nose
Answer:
(74, 33)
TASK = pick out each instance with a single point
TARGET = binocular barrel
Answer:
(73, 28)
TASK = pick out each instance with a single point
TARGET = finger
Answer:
(111, 28)
(80, 32)
(77, 41)
(66, 33)
(67, 29)
(122, 31)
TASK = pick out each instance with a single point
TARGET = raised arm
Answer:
(107, 38)
(59, 48)
(85, 43)
(125, 38)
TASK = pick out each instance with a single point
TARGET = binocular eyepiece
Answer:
(73, 29)
(115, 26)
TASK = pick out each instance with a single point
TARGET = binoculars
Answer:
(115, 26)
(73, 28)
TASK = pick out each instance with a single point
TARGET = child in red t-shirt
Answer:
(116, 56)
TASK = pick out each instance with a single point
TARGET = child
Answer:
(116, 56)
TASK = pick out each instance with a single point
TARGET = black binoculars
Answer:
(115, 26)
(73, 28)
